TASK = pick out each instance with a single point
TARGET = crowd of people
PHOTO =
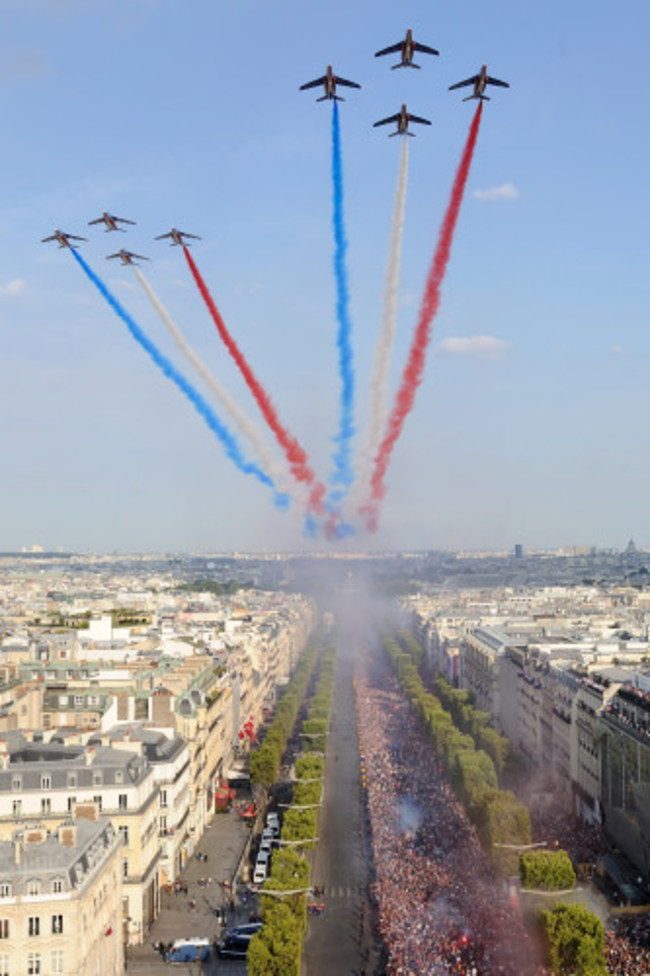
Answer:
(438, 910)
(627, 946)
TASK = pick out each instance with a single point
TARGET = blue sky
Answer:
(530, 425)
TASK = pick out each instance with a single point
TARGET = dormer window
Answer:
(46, 782)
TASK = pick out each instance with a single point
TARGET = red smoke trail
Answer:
(412, 375)
(293, 452)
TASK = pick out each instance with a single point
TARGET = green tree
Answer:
(548, 870)
(275, 950)
(576, 941)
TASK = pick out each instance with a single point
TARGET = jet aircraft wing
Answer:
(424, 49)
(315, 84)
(418, 118)
(391, 118)
(393, 49)
(468, 81)
(495, 81)
(344, 81)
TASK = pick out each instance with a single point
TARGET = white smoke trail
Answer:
(245, 426)
(379, 382)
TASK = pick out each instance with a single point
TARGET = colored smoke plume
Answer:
(412, 375)
(343, 473)
(293, 452)
(386, 338)
(244, 425)
(166, 366)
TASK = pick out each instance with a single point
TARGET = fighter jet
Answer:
(402, 118)
(127, 257)
(111, 221)
(329, 81)
(407, 48)
(63, 239)
(479, 81)
(177, 237)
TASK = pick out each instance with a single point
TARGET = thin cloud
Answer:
(12, 288)
(507, 191)
(477, 347)
(26, 65)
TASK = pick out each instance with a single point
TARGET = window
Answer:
(46, 804)
(46, 782)
(17, 808)
(33, 887)
(162, 825)
(79, 699)
(124, 834)
(163, 798)
(125, 867)
(58, 961)
(71, 802)
(5, 889)
(98, 800)
(57, 924)
(97, 779)
(33, 964)
(57, 886)
(72, 780)
(4, 928)
(123, 801)
(4, 964)
(16, 783)
(33, 925)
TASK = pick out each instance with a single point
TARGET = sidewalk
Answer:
(183, 915)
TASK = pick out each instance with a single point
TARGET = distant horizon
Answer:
(567, 551)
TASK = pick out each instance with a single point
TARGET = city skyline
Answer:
(529, 424)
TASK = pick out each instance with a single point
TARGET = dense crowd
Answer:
(438, 910)
(627, 946)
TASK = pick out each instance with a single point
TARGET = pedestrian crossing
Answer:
(341, 891)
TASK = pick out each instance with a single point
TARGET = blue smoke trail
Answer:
(200, 405)
(343, 473)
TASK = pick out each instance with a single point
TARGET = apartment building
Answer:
(61, 901)
(44, 784)
(169, 758)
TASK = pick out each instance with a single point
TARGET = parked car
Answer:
(246, 931)
(233, 947)
(189, 950)
(259, 872)
(235, 943)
